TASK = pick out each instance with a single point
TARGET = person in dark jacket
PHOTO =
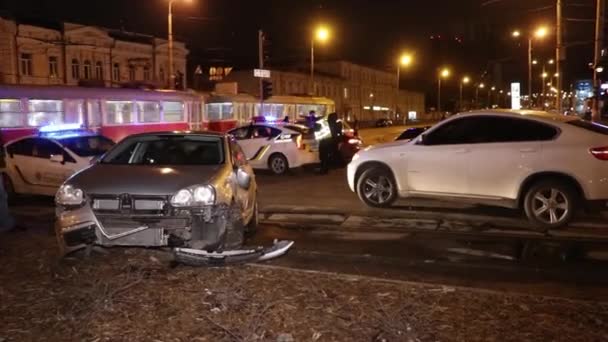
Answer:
(329, 146)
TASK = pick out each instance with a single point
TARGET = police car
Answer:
(39, 164)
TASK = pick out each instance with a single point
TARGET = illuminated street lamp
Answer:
(405, 60)
(321, 34)
(444, 73)
(539, 33)
(170, 31)
(465, 80)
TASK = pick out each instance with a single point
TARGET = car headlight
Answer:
(68, 195)
(193, 196)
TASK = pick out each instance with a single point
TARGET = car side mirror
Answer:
(243, 179)
(57, 158)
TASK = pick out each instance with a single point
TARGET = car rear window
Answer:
(589, 126)
(167, 150)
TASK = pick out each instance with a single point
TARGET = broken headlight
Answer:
(194, 196)
(69, 196)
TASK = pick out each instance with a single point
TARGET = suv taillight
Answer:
(600, 153)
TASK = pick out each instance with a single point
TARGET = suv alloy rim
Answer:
(550, 205)
(378, 189)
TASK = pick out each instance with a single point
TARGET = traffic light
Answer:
(266, 89)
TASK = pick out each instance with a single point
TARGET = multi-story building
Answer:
(359, 92)
(72, 54)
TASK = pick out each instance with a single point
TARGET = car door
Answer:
(437, 164)
(21, 164)
(506, 151)
(52, 172)
(245, 197)
(243, 136)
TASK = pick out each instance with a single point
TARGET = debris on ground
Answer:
(138, 295)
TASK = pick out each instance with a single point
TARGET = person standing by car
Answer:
(7, 222)
(311, 119)
(328, 146)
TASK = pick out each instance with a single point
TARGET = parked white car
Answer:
(39, 164)
(272, 147)
(547, 165)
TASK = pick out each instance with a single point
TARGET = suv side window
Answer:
(44, 148)
(496, 129)
(455, 132)
(23, 147)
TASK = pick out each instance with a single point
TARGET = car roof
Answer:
(532, 114)
(191, 133)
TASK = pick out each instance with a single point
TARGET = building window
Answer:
(87, 69)
(116, 72)
(99, 71)
(53, 71)
(75, 69)
(147, 73)
(25, 61)
(131, 73)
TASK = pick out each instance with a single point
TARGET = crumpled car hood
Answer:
(142, 179)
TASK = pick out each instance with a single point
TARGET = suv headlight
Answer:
(193, 196)
(68, 195)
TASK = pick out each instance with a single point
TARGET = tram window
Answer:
(119, 112)
(94, 112)
(173, 111)
(74, 110)
(227, 111)
(44, 112)
(10, 113)
(148, 111)
(214, 111)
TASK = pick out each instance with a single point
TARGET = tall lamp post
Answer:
(480, 86)
(465, 80)
(404, 61)
(539, 33)
(321, 34)
(444, 73)
(170, 38)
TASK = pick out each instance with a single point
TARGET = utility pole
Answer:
(599, 33)
(559, 56)
(261, 65)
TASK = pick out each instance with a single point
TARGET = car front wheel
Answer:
(278, 164)
(550, 204)
(377, 188)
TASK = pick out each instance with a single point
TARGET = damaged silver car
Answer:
(176, 189)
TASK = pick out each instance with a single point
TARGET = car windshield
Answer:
(167, 150)
(87, 146)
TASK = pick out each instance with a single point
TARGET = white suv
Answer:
(545, 164)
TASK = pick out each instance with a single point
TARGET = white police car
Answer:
(39, 164)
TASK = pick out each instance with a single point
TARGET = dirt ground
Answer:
(136, 295)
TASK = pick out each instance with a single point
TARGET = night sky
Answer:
(373, 32)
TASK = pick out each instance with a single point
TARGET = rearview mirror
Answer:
(57, 158)
(243, 179)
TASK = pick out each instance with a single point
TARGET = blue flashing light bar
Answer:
(60, 128)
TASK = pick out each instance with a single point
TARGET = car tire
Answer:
(550, 204)
(278, 164)
(376, 187)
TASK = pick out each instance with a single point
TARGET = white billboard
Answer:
(515, 96)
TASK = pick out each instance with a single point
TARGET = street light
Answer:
(170, 32)
(405, 60)
(539, 33)
(551, 61)
(321, 34)
(444, 73)
(465, 80)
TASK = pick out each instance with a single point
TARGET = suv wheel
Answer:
(377, 188)
(550, 204)
(278, 164)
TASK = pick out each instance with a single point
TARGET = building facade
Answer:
(359, 92)
(72, 54)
